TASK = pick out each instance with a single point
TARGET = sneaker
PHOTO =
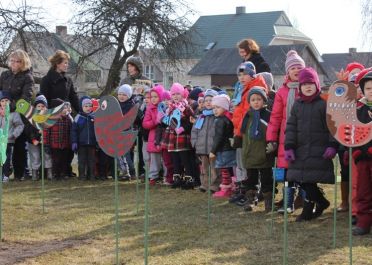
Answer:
(242, 201)
(167, 183)
(124, 178)
(5, 179)
(359, 231)
(152, 182)
(289, 210)
(236, 197)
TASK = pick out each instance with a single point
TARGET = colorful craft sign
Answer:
(4, 137)
(113, 130)
(342, 120)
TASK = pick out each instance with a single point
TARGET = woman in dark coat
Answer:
(250, 51)
(56, 84)
(19, 83)
(309, 147)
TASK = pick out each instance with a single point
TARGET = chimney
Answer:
(240, 10)
(61, 31)
(352, 50)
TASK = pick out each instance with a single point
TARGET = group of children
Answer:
(189, 136)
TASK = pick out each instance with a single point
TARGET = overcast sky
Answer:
(334, 25)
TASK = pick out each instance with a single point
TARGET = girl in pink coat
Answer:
(150, 123)
(283, 102)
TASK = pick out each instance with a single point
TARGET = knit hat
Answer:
(258, 90)
(86, 101)
(293, 59)
(269, 80)
(210, 93)
(166, 95)
(222, 101)
(247, 68)
(158, 89)
(41, 99)
(354, 65)
(194, 94)
(126, 90)
(5, 94)
(364, 79)
(177, 88)
(309, 75)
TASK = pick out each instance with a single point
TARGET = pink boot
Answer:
(224, 192)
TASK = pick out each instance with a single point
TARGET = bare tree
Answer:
(125, 25)
(23, 22)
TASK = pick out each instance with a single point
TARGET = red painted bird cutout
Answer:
(342, 120)
(112, 129)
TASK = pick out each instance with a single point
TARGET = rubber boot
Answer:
(344, 206)
(35, 174)
(321, 204)
(251, 194)
(238, 193)
(49, 173)
(307, 211)
(188, 183)
(91, 169)
(224, 192)
(177, 181)
(268, 199)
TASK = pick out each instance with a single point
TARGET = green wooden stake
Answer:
(209, 195)
(137, 177)
(1, 203)
(350, 207)
(285, 236)
(335, 208)
(116, 211)
(42, 173)
(272, 201)
(146, 215)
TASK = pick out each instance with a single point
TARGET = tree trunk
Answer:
(113, 78)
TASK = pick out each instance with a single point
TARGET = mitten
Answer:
(74, 147)
(179, 130)
(330, 153)
(271, 147)
(289, 155)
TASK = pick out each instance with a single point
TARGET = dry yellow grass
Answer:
(78, 228)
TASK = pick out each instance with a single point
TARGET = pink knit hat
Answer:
(158, 89)
(166, 95)
(293, 59)
(222, 101)
(177, 88)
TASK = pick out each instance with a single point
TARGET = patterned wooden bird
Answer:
(342, 119)
(112, 129)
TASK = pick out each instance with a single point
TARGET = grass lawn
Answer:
(78, 228)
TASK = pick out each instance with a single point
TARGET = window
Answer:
(92, 76)
(149, 72)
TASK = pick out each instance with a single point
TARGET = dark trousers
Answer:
(86, 161)
(182, 163)
(344, 168)
(105, 164)
(266, 179)
(141, 163)
(60, 158)
(364, 193)
(20, 156)
(8, 165)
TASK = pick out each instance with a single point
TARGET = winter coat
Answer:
(32, 133)
(308, 135)
(364, 116)
(60, 133)
(277, 124)
(202, 139)
(56, 85)
(223, 132)
(259, 63)
(16, 126)
(19, 85)
(125, 108)
(82, 130)
(130, 80)
(149, 122)
(243, 106)
(254, 150)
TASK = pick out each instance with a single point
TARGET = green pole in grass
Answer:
(137, 176)
(209, 195)
(146, 214)
(335, 208)
(350, 207)
(116, 210)
(272, 200)
(42, 173)
(1, 202)
(285, 236)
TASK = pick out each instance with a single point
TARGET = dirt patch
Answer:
(15, 252)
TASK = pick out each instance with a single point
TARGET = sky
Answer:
(333, 25)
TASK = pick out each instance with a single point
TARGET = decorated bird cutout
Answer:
(4, 137)
(342, 120)
(44, 119)
(95, 104)
(175, 119)
(113, 130)
(162, 108)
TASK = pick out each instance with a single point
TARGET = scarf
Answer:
(308, 99)
(199, 122)
(293, 86)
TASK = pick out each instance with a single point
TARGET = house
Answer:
(213, 34)
(334, 62)
(89, 75)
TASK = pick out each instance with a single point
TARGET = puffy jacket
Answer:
(223, 132)
(364, 116)
(308, 135)
(243, 107)
(56, 85)
(259, 63)
(149, 122)
(19, 85)
(82, 130)
(16, 126)
(202, 139)
(277, 124)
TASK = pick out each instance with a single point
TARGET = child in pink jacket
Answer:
(150, 123)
